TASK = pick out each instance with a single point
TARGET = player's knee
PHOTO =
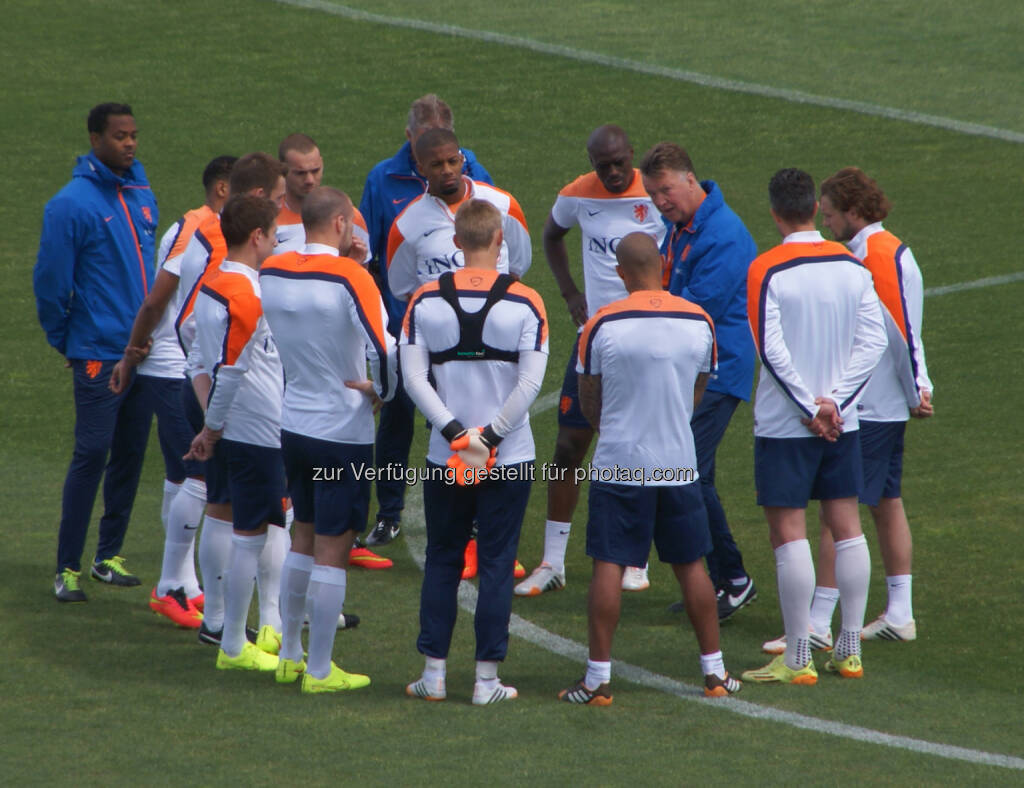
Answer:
(571, 447)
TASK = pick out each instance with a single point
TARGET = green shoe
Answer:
(850, 668)
(268, 640)
(778, 671)
(66, 589)
(336, 681)
(250, 658)
(289, 671)
(112, 572)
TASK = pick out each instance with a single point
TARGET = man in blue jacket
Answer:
(391, 185)
(707, 254)
(94, 268)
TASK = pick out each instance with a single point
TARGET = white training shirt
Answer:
(237, 347)
(818, 328)
(648, 349)
(421, 245)
(895, 385)
(291, 234)
(327, 318)
(604, 218)
(480, 392)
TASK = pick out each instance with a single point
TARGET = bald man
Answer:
(607, 204)
(648, 358)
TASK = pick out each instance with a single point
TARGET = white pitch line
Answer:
(415, 539)
(680, 75)
(988, 281)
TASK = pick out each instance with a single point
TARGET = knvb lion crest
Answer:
(148, 214)
(640, 212)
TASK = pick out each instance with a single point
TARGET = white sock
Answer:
(794, 568)
(597, 674)
(214, 554)
(185, 512)
(294, 585)
(899, 610)
(713, 664)
(853, 574)
(487, 673)
(435, 669)
(556, 541)
(245, 554)
(170, 490)
(268, 576)
(823, 607)
(327, 598)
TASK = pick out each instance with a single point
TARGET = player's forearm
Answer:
(415, 362)
(532, 364)
(590, 399)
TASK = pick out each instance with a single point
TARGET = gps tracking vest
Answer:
(471, 346)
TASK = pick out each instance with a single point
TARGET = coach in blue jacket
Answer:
(707, 254)
(391, 185)
(94, 268)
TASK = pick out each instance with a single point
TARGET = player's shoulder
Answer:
(586, 185)
(494, 194)
(526, 294)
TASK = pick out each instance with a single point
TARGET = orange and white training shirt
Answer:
(648, 349)
(478, 392)
(166, 358)
(818, 328)
(327, 319)
(238, 350)
(895, 385)
(604, 218)
(201, 253)
(291, 234)
(421, 245)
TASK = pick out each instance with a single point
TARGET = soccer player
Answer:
(421, 243)
(243, 415)
(327, 318)
(483, 337)
(818, 328)
(391, 185)
(304, 171)
(707, 255)
(852, 208)
(643, 362)
(177, 595)
(255, 174)
(94, 268)
(607, 204)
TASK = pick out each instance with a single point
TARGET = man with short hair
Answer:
(607, 204)
(327, 319)
(706, 257)
(852, 208)
(94, 268)
(177, 594)
(483, 337)
(643, 362)
(390, 186)
(243, 415)
(817, 325)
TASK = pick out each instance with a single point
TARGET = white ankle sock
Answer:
(487, 673)
(327, 598)
(181, 524)
(295, 574)
(900, 609)
(556, 541)
(713, 664)
(268, 576)
(170, 490)
(823, 607)
(245, 554)
(794, 568)
(214, 555)
(853, 574)
(597, 674)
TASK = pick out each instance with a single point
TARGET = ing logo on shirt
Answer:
(92, 368)
(640, 211)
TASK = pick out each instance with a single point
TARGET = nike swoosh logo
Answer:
(399, 202)
(428, 232)
(191, 527)
(105, 577)
(593, 213)
(108, 218)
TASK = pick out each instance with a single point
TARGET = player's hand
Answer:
(473, 456)
(135, 355)
(119, 377)
(202, 445)
(577, 304)
(925, 409)
(366, 388)
(357, 250)
(826, 423)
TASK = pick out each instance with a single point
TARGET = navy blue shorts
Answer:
(881, 451)
(327, 482)
(624, 520)
(218, 484)
(255, 483)
(788, 472)
(570, 414)
(173, 427)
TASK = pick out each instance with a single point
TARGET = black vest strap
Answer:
(471, 345)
